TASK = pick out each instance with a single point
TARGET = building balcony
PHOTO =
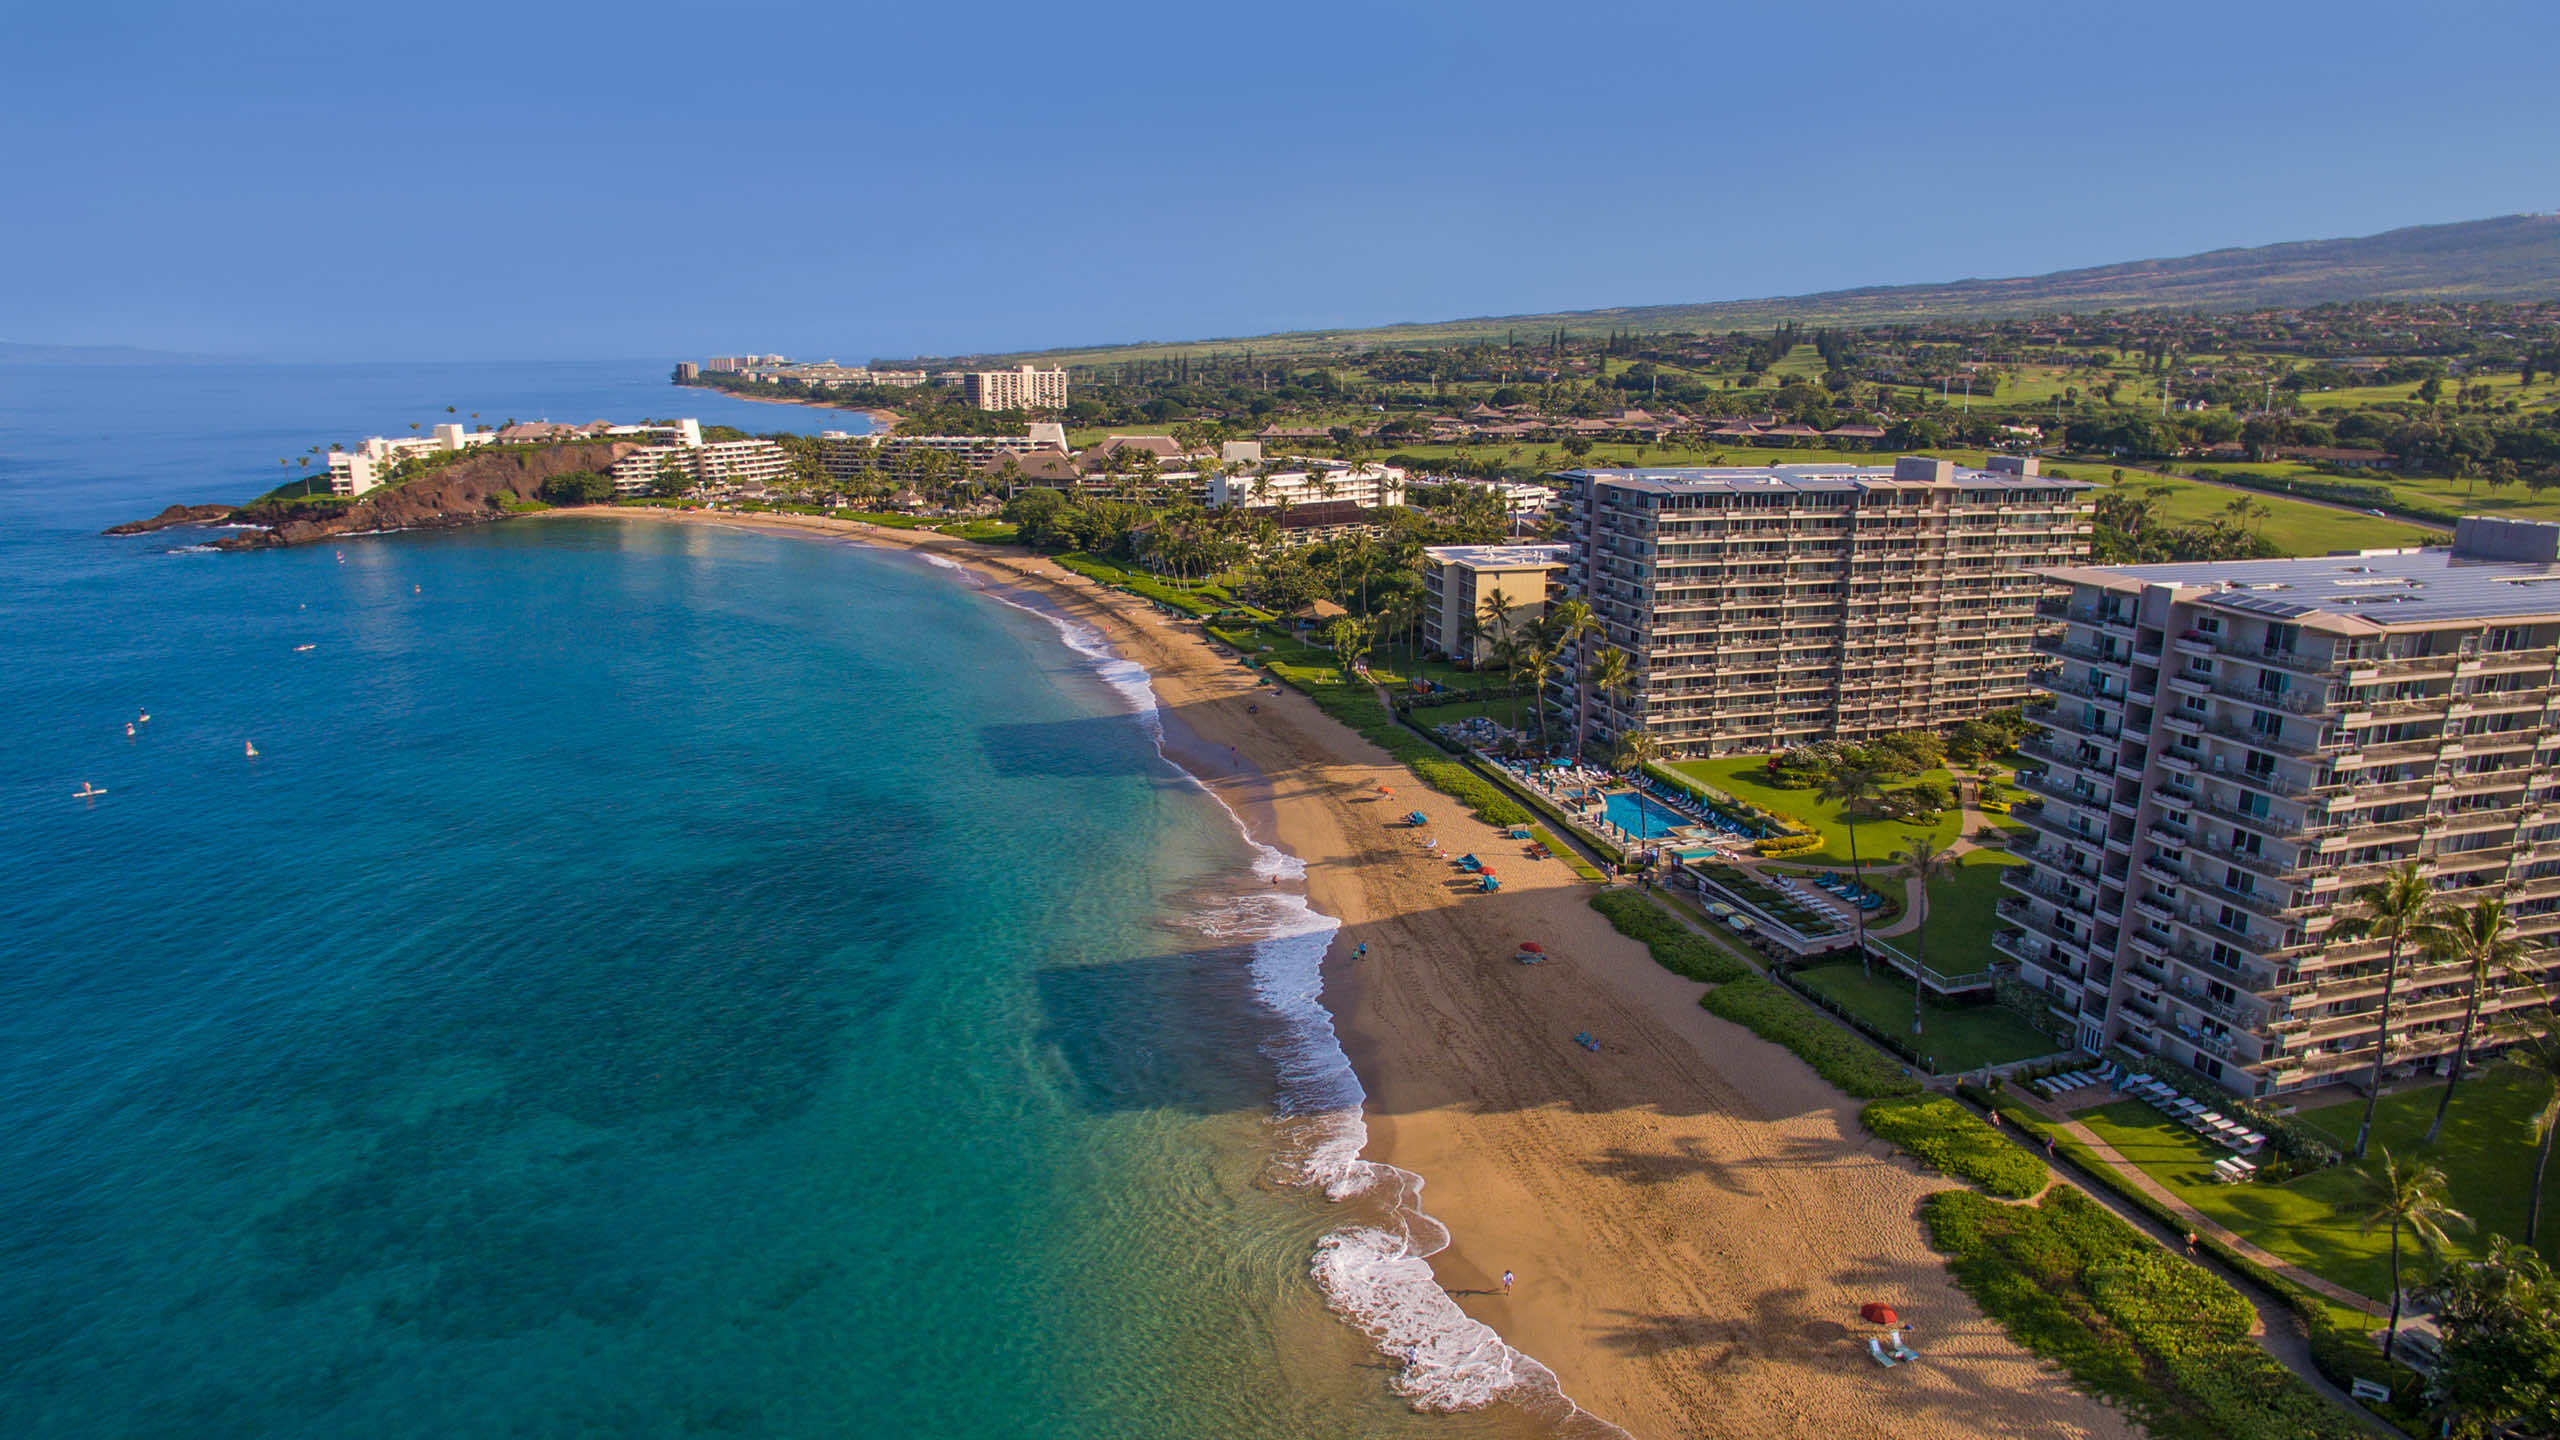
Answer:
(2082, 688)
(2025, 880)
(2254, 981)
(2074, 650)
(2292, 702)
(2297, 741)
(2237, 932)
(2271, 826)
(2255, 862)
(2294, 662)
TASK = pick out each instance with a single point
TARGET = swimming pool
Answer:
(1640, 817)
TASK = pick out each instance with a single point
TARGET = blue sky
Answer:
(467, 181)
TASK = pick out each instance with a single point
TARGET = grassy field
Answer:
(1957, 1037)
(1741, 777)
(2502, 388)
(1961, 919)
(2487, 1153)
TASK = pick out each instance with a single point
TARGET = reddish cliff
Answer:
(472, 490)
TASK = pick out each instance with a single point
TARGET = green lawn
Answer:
(1961, 919)
(2297, 527)
(2487, 1153)
(1497, 708)
(1957, 1037)
(1743, 777)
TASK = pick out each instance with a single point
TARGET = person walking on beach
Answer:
(1362, 953)
(1506, 1282)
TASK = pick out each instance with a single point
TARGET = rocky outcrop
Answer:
(174, 515)
(473, 490)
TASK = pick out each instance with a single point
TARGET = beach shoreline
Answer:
(882, 421)
(1693, 1217)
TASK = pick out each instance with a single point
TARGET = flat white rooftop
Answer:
(1492, 557)
(2385, 587)
(1814, 479)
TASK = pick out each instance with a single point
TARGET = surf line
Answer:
(1377, 1277)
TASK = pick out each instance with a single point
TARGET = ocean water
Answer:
(650, 980)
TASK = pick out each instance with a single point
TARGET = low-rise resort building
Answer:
(1456, 579)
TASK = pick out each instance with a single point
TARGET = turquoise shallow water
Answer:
(652, 981)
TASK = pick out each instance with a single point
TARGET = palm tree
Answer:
(2484, 941)
(2405, 1197)
(1927, 863)
(2538, 1058)
(2400, 907)
(1493, 618)
(1543, 665)
(1637, 748)
(2246, 511)
(1851, 784)
(1608, 675)
(1572, 622)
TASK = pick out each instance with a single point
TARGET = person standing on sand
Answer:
(1506, 1282)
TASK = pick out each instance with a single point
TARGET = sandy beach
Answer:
(882, 421)
(1693, 1217)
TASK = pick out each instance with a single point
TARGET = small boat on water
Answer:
(252, 746)
(298, 649)
(87, 791)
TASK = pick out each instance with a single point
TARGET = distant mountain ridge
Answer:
(2513, 257)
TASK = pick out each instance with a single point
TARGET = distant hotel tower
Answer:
(1019, 389)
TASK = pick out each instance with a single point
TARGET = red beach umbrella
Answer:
(1533, 947)
(1876, 1312)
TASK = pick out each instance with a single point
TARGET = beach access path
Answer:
(1693, 1216)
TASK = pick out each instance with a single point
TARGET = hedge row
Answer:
(1675, 946)
(2341, 1353)
(1773, 1013)
(1958, 1143)
(2164, 1337)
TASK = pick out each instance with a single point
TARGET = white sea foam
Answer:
(1376, 1276)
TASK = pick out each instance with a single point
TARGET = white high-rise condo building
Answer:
(1765, 608)
(1022, 388)
(2234, 749)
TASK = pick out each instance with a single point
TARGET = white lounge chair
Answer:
(1875, 1347)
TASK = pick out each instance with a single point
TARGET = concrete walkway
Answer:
(2199, 1222)
(2279, 1332)
(1969, 822)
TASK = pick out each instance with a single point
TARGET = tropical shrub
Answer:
(1675, 946)
(2152, 1331)
(1956, 1142)
(1775, 1014)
